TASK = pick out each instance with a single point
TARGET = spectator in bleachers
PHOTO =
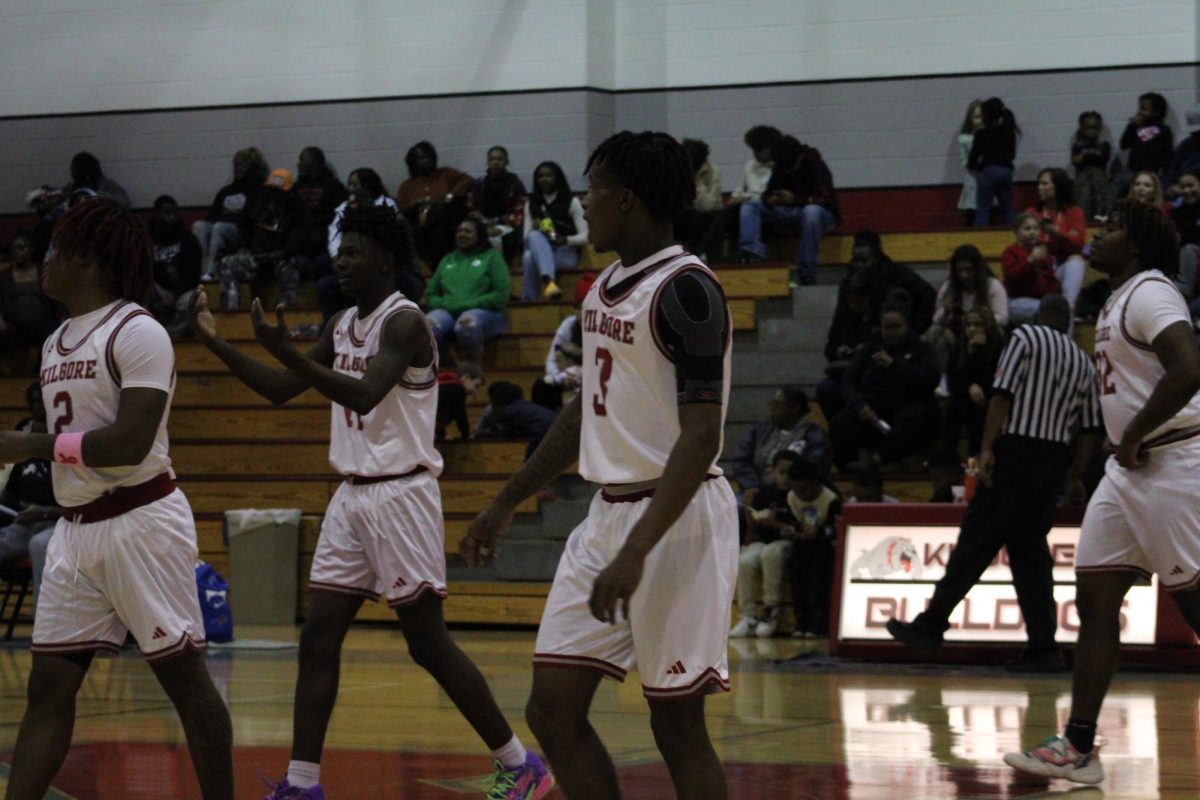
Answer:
(499, 197)
(755, 175)
(468, 293)
(1063, 228)
(789, 428)
(890, 409)
(816, 508)
(1186, 215)
(557, 380)
(969, 284)
(799, 194)
(509, 415)
(1147, 188)
(321, 193)
(883, 275)
(433, 200)
(868, 486)
(972, 122)
(855, 322)
(1187, 155)
(991, 159)
(272, 231)
(26, 316)
(694, 223)
(764, 554)
(363, 187)
(1148, 140)
(455, 387)
(1090, 156)
(218, 232)
(1029, 273)
(970, 373)
(176, 265)
(87, 174)
(555, 232)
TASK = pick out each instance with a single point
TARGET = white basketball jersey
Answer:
(1126, 365)
(81, 390)
(396, 436)
(629, 392)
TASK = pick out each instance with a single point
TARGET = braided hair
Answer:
(382, 226)
(116, 238)
(1153, 232)
(653, 166)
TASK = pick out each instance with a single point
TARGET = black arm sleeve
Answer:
(692, 322)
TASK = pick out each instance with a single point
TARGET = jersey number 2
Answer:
(600, 399)
(68, 414)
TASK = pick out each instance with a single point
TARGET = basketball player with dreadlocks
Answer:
(1145, 516)
(383, 531)
(647, 579)
(123, 557)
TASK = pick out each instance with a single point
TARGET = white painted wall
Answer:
(73, 56)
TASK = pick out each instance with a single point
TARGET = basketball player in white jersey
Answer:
(1145, 516)
(647, 579)
(122, 559)
(382, 535)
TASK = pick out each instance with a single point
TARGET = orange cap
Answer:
(281, 179)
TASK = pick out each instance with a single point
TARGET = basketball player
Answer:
(382, 534)
(648, 578)
(1145, 515)
(123, 556)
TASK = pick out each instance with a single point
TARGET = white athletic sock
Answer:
(512, 755)
(304, 774)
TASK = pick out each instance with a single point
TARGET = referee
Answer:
(1045, 390)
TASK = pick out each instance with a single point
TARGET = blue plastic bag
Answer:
(214, 604)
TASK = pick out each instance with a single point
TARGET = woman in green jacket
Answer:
(468, 293)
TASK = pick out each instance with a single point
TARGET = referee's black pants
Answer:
(1016, 513)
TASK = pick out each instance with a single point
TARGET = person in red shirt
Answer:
(1062, 228)
(1029, 271)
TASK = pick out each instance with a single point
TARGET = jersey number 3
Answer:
(600, 399)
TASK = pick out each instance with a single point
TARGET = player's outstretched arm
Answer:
(405, 340)
(559, 449)
(686, 468)
(276, 386)
(1176, 350)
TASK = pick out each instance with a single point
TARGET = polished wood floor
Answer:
(801, 728)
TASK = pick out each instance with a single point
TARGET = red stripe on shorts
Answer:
(696, 687)
(415, 595)
(558, 661)
(333, 588)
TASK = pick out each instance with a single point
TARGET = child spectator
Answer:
(455, 386)
(499, 197)
(815, 507)
(764, 555)
(968, 285)
(433, 200)
(755, 175)
(1028, 270)
(694, 223)
(799, 193)
(789, 428)
(1063, 229)
(970, 378)
(469, 292)
(868, 486)
(991, 159)
(1147, 188)
(972, 122)
(555, 232)
(1148, 140)
(176, 265)
(218, 232)
(1187, 154)
(549, 389)
(27, 317)
(272, 232)
(509, 415)
(890, 409)
(1090, 157)
(87, 174)
(1186, 214)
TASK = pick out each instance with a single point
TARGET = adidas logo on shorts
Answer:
(159, 633)
(400, 583)
(677, 669)
(1177, 571)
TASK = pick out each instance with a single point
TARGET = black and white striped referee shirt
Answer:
(1052, 383)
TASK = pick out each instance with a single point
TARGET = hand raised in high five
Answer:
(201, 319)
(273, 337)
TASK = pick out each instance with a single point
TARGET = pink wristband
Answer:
(68, 449)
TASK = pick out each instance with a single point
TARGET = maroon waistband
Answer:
(363, 480)
(121, 500)
(634, 497)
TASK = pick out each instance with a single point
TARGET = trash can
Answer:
(264, 546)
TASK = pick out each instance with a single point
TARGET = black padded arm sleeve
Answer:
(692, 322)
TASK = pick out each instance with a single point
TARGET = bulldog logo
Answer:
(893, 554)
